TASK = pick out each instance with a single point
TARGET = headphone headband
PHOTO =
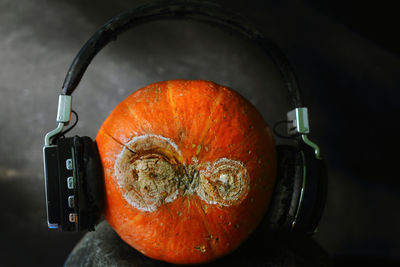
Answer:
(177, 9)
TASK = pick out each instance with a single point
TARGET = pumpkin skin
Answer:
(189, 169)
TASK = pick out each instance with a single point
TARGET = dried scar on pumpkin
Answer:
(150, 171)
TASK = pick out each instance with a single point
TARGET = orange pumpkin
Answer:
(189, 169)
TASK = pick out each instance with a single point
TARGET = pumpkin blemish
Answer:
(198, 149)
(200, 248)
(205, 208)
(150, 171)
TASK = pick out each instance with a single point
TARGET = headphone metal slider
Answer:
(298, 118)
(64, 108)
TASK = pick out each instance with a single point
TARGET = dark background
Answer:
(346, 57)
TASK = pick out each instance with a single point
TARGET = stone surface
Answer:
(103, 247)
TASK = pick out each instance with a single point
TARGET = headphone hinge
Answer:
(64, 109)
(298, 121)
(299, 125)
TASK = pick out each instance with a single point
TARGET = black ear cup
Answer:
(89, 189)
(284, 202)
(296, 207)
(315, 192)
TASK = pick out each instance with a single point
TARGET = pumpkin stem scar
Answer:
(225, 182)
(150, 172)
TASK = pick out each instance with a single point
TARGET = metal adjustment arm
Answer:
(63, 117)
(51, 164)
(299, 125)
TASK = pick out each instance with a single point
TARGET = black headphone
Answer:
(73, 172)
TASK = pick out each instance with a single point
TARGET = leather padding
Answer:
(287, 190)
(90, 184)
(314, 194)
(294, 164)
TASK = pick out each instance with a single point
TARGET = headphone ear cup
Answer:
(284, 202)
(314, 194)
(90, 184)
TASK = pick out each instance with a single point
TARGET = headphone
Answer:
(72, 169)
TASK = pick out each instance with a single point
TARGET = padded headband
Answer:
(177, 9)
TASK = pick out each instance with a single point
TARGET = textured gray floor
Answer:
(349, 84)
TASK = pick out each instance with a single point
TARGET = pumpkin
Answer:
(189, 169)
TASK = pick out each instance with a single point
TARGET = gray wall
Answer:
(348, 82)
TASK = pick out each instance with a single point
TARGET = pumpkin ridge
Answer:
(136, 117)
(245, 140)
(210, 117)
(170, 214)
(206, 226)
(172, 104)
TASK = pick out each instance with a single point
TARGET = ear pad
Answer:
(283, 205)
(89, 183)
(314, 194)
